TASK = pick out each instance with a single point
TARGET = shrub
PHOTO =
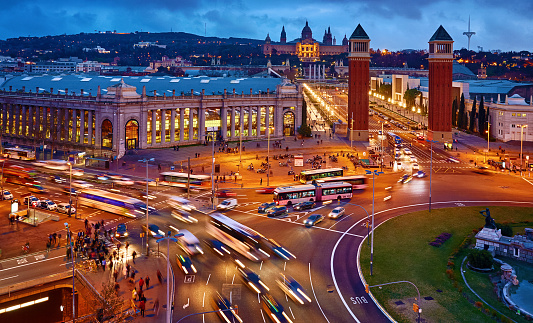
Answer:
(507, 230)
(478, 304)
(480, 259)
(449, 273)
(305, 130)
(442, 238)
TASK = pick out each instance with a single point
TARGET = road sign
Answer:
(172, 167)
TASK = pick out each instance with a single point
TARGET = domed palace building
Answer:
(306, 48)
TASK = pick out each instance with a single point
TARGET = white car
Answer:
(124, 181)
(407, 151)
(47, 204)
(81, 184)
(227, 204)
(415, 167)
(77, 172)
(6, 195)
(413, 159)
(336, 212)
(64, 208)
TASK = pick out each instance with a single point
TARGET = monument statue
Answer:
(489, 221)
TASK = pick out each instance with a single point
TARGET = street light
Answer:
(212, 171)
(168, 237)
(381, 144)
(2, 178)
(147, 225)
(268, 154)
(521, 141)
(69, 237)
(70, 190)
(430, 169)
(374, 174)
(488, 141)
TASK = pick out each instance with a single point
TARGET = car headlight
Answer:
(126, 234)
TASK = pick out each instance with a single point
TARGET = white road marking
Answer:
(527, 181)
(30, 263)
(203, 301)
(186, 305)
(262, 315)
(313, 289)
(290, 309)
(233, 280)
(344, 217)
(9, 277)
(208, 279)
(261, 266)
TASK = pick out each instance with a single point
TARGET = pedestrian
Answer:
(115, 275)
(128, 270)
(156, 307)
(86, 223)
(133, 274)
(141, 284)
(103, 264)
(133, 307)
(134, 293)
(133, 255)
(147, 282)
(159, 277)
(141, 306)
(261, 181)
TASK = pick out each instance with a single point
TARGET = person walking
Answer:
(115, 275)
(141, 284)
(147, 282)
(142, 306)
(134, 293)
(156, 306)
(103, 264)
(133, 255)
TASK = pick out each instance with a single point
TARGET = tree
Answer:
(454, 113)
(461, 117)
(410, 96)
(304, 129)
(110, 305)
(481, 118)
(507, 230)
(472, 116)
(386, 90)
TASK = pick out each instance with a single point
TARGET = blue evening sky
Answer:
(391, 24)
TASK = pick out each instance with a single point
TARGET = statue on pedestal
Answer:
(489, 221)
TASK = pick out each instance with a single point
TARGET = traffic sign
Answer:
(171, 167)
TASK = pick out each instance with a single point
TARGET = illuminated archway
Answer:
(107, 134)
(288, 123)
(132, 134)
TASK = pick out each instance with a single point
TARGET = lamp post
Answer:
(168, 237)
(430, 169)
(268, 155)
(374, 174)
(381, 149)
(351, 133)
(69, 238)
(488, 141)
(212, 172)
(70, 190)
(2, 178)
(147, 225)
(521, 142)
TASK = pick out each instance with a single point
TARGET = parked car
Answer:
(6, 195)
(65, 208)
(304, 205)
(313, 219)
(121, 231)
(227, 204)
(336, 212)
(277, 211)
(48, 205)
(263, 208)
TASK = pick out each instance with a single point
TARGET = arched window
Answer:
(132, 134)
(107, 134)
(288, 123)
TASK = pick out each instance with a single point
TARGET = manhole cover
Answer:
(428, 298)
(331, 288)
(399, 303)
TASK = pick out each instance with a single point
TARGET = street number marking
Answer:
(22, 261)
(189, 279)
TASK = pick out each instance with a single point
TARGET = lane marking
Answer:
(208, 279)
(9, 277)
(262, 315)
(317, 303)
(527, 180)
(203, 301)
(30, 263)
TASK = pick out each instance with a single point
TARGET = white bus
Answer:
(177, 179)
(311, 174)
(56, 164)
(359, 182)
(320, 192)
(237, 236)
(113, 203)
(19, 153)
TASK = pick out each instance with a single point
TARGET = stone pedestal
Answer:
(489, 234)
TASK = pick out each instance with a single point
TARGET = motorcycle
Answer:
(250, 167)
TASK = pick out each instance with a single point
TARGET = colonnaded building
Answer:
(114, 114)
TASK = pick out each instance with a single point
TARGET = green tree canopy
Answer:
(410, 96)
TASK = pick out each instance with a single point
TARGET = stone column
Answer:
(232, 122)
(241, 121)
(67, 127)
(191, 126)
(90, 127)
(182, 124)
(163, 126)
(154, 120)
(250, 115)
(267, 119)
(11, 119)
(4, 118)
(278, 121)
(17, 119)
(37, 121)
(258, 119)
(309, 75)
(74, 124)
(172, 125)
(30, 121)
(82, 126)
(23, 115)
(201, 122)
(224, 122)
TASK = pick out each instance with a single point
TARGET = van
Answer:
(181, 203)
(189, 243)
(227, 204)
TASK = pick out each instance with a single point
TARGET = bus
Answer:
(113, 203)
(291, 195)
(394, 138)
(359, 182)
(237, 236)
(309, 175)
(55, 164)
(19, 153)
(177, 179)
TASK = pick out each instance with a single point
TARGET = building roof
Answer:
(492, 86)
(441, 35)
(359, 33)
(165, 84)
(461, 69)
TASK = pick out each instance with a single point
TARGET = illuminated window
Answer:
(167, 125)
(149, 127)
(177, 125)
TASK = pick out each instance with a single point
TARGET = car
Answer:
(278, 249)
(77, 172)
(226, 193)
(277, 211)
(186, 265)
(263, 208)
(293, 289)
(181, 203)
(274, 310)
(480, 170)
(151, 182)
(48, 205)
(265, 190)
(189, 243)
(453, 160)
(313, 219)
(57, 179)
(407, 179)
(153, 230)
(121, 231)
(72, 191)
(253, 281)
(224, 310)
(6, 195)
(413, 159)
(218, 247)
(227, 204)
(183, 216)
(143, 195)
(31, 200)
(81, 184)
(415, 167)
(304, 205)
(336, 212)
(420, 174)
(124, 181)
(403, 178)
(407, 151)
(66, 208)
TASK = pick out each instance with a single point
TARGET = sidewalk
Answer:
(144, 266)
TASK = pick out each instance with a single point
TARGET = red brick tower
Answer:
(358, 87)
(440, 86)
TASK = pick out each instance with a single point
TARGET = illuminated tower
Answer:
(440, 86)
(469, 33)
(359, 75)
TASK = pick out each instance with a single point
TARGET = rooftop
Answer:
(441, 35)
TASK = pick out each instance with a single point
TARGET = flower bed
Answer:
(441, 239)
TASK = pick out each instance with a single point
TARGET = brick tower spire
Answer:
(359, 75)
(440, 86)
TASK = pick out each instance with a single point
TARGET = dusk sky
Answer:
(391, 24)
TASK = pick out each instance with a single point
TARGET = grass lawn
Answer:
(402, 252)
